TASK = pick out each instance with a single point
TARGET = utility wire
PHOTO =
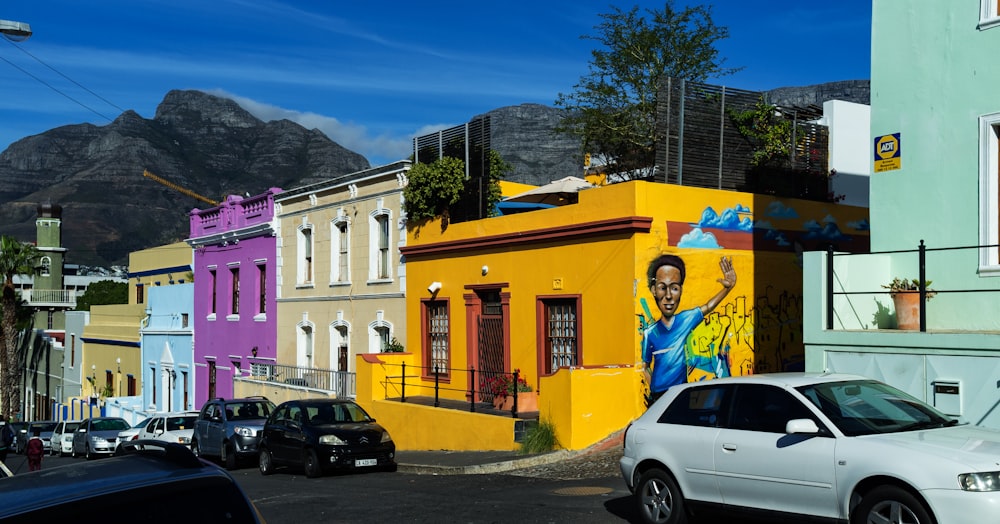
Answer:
(50, 86)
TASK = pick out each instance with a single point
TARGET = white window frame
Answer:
(338, 258)
(989, 186)
(303, 235)
(375, 330)
(305, 343)
(340, 333)
(988, 17)
(375, 255)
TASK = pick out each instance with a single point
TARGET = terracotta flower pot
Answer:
(907, 310)
(526, 401)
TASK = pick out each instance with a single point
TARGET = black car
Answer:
(322, 435)
(135, 483)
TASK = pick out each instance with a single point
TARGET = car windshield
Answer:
(866, 407)
(45, 427)
(248, 409)
(179, 423)
(335, 413)
(142, 423)
(109, 425)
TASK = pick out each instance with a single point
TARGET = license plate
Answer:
(365, 462)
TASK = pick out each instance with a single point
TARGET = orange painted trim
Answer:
(372, 358)
(632, 224)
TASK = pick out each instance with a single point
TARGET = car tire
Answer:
(885, 503)
(87, 454)
(229, 457)
(659, 500)
(265, 462)
(310, 463)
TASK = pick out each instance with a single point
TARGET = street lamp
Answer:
(16, 31)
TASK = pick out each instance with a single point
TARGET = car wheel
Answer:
(87, 453)
(311, 464)
(229, 457)
(266, 462)
(659, 499)
(890, 504)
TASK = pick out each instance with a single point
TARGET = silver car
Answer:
(97, 436)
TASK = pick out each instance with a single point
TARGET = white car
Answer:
(824, 446)
(131, 433)
(171, 427)
(62, 438)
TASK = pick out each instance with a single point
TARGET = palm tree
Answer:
(16, 258)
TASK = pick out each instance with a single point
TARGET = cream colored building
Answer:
(341, 279)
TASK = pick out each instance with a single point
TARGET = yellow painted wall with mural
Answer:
(569, 252)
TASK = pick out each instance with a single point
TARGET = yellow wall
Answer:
(758, 323)
(155, 260)
(118, 323)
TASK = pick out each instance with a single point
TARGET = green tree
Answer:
(101, 293)
(433, 188)
(613, 108)
(498, 170)
(16, 258)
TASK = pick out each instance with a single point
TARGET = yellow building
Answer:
(562, 296)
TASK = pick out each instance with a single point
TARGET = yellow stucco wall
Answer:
(757, 327)
(156, 260)
(112, 334)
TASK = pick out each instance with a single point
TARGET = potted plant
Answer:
(527, 400)
(905, 295)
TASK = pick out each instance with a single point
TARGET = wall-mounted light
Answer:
(486, 269)
(434, 287)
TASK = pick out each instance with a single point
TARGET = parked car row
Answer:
(316, 435)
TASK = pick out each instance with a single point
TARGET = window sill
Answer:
(340, 283)
(210, 318)
(380, 281)
(988, 23)
(233, 318)
(260, 318)
(305, 285)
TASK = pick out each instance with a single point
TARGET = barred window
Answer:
(437, 330)
(560, 331)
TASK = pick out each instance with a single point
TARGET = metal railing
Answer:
(924, 293)
(343, 383)
(485, 390)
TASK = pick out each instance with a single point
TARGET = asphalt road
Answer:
(586, 490)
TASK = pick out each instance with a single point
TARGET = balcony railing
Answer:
(842, 292)
(57, 297)
(487, 384)
(342, 383)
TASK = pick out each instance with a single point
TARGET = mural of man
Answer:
(663, 342)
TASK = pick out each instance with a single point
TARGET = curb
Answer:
(494, 467)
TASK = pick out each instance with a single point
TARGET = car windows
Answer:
(179, 423)
(246, 410)
(865, 407)
(698, 406)
(760, 407)
(109, 425)
(354, 413)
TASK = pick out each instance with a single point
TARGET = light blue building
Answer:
(935, 130)
(167, 342)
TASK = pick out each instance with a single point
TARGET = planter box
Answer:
(527, 401)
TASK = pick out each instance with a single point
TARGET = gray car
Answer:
(97, 436)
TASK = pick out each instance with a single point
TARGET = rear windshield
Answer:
(108, 425)
(248, 409)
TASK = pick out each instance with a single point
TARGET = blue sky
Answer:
(371, 75)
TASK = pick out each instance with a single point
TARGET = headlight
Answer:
(243, 431)
(386, 437)
(331, 440)
(988, 481)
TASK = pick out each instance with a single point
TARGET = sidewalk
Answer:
(445, 462)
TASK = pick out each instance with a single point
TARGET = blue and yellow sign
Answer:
(887, 153)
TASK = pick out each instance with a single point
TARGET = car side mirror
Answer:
(801, 426)
(81, 430)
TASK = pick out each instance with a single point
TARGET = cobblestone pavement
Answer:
(595, 464)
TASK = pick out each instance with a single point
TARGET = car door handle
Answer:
(729, 447)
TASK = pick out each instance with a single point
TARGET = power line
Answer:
(50, 86)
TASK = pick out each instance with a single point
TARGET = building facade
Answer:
(342, 282)
(235, 274)
(935, 187)
(167, 342)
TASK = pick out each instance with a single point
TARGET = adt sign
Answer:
(887, 155)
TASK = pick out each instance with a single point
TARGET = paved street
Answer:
(584, 489)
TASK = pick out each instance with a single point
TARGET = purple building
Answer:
(234, 291)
